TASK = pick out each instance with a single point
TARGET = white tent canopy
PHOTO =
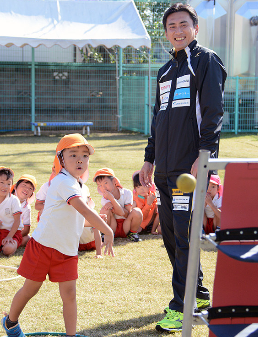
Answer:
(65, 23)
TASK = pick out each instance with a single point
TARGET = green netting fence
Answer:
(113, 88)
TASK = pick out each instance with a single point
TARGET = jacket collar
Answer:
(181, 54)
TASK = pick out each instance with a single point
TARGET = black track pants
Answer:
(175, 218)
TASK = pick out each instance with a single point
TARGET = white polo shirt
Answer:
(10, 206)
(42, 192)
(60, 225)
(126, 198)
(26, 213)
(217, 202)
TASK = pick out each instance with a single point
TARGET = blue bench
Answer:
(37, 126)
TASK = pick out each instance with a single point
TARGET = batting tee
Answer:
(234, 310)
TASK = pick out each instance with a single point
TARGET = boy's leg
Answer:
(21, 298)
(111, 221)
(155, 229)
(10, 248)
(133, 221)
(68, 294)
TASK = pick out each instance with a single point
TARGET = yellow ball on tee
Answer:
(186, 183)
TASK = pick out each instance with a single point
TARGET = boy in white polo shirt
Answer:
(10, 214)
(53, 248)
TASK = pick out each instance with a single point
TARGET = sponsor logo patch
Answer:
(165, 87)
(163, 106)
(158, 197)
(180, 103)
(164, 98)
(176, 191)
(181, 207)
(183, 82)
(181, 93)
(181, 199)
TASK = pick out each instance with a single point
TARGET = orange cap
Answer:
(109, 173)
(29, 178)
(73, 140)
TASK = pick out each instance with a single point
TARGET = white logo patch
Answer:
(158, 197)
(163, 106)
(181, 199)
(183, 82)
(181, 207)
(164, 98)
(165, 87)
(180, 103)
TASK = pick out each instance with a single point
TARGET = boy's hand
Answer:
(107, 206)
(7, 239)
(208, 199)
(107, 195)
(103, 217)
(150, 198)
(98, 256)
(108, 242)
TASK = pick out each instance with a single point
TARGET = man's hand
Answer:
(194, 168)
(145, 174)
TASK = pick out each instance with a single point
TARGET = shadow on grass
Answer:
(121, 328)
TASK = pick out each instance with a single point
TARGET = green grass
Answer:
(121, 296)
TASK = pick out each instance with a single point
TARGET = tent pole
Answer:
(32, 87)
(149, 92)
(120, 88)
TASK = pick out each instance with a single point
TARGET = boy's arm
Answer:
(26, 230)
(117, 208)
(95, 221)
(39, 205)
(98, 243)
(15, 226)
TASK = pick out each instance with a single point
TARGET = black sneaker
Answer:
(133, 237)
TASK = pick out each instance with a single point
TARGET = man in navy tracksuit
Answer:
(187, 117)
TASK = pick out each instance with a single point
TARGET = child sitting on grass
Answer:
(24, 190)
(145, 199)
(53, 248)
(10, 214)
(212, 207)
(117, 205)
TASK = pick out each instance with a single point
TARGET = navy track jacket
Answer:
(188, 110)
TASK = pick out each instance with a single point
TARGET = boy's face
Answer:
(24, 190)
(5, 185)
(106, 184)
(212, 189)
(76, 160)
(142, 191)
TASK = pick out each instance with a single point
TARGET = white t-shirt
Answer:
(88, 234)
(126, 198)
(60, 225)
(217, 202)
(42, 192)
(10, 206)
(26, 213)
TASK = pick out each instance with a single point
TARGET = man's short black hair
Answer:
(136, 180)
(179, 7)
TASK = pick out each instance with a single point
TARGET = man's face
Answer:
(180, 30)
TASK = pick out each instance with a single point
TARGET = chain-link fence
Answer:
(112, 88)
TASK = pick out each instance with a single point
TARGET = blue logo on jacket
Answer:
(182, 93)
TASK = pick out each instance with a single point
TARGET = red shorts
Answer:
(38, 261)
(209, 226)
(119, 229)
(87, 246)
(17, 236)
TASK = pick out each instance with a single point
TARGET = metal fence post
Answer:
(120, 88)
(236, 106)
(32, 87)
(146, 105)
(194, 250)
